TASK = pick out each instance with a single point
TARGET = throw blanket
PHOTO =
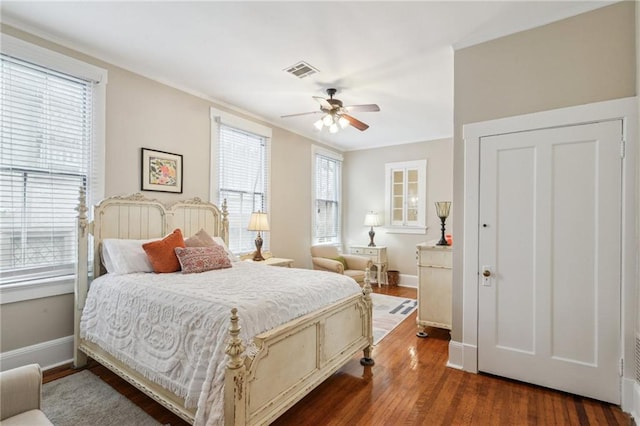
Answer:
(172, 328)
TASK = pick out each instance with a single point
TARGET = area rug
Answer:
(389, 312)
(84, 399)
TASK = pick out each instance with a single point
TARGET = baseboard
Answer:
(48, 354)
(455, 355)
(463, 357)
(408, 281)
(630, 397)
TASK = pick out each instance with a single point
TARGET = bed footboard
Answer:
(293, 359)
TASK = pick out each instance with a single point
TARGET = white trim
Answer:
(630, 397)
(50, 354)
(410, 281)
(10, 293)
(455, 355)
(228, 119)
(240, 123)
(25, 51)
(420, 226)
(317, 150)
(47, 58)
(619, 109)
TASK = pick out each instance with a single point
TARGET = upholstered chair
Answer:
(326, 258)
(21, 397)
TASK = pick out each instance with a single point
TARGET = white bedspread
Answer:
(172, 328)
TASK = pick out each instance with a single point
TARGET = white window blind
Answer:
(243, 182)
(46, 135)
(327, 217)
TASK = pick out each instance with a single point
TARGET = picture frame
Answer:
(160, 171)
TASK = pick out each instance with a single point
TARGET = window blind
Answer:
(243, 182)
(46, 133)
(328, 175)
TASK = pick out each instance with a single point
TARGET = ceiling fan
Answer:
(336, 115)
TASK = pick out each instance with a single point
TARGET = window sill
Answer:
(36, 289)
(406, 229)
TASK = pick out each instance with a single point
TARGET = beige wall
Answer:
(583, 59)
(143, 113)
(364, 190)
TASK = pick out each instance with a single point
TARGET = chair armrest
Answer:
(324, 264)
(357, 262)
(20, 390)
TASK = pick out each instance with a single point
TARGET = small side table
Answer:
(274, 261)
(378, 255)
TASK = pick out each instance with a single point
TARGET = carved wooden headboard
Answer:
(137, 217)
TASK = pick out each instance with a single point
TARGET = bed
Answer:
(263, 374)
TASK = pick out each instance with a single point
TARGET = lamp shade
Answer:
(258, 222)
(372, 219)
(442, 208)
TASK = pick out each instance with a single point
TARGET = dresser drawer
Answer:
(357, 250)
(435, 257)
(377, 254)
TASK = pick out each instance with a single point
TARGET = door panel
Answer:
(550, 209)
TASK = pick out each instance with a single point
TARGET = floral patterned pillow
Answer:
(200, 259)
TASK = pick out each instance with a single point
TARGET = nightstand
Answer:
(378, 255)
(275, 261)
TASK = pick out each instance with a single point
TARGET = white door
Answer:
(550, 236)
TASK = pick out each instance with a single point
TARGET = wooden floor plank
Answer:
(410, 385)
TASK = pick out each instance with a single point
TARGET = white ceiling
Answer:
(398, 55)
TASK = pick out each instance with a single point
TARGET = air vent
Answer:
(301, 70)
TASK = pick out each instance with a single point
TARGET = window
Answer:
(49, 148)
(327, 197)
(406, 196)
(241, 176)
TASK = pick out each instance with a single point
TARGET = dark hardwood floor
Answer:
(411, 385)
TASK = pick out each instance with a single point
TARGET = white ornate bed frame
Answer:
(258, 388)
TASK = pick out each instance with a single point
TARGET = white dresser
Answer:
(378, 255)
(434, 287)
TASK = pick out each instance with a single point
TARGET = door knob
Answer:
(486, 273)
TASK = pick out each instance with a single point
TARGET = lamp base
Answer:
(443, 241)
(371, 235)
(257, 256)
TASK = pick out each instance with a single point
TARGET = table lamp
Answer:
(442, 208)
(371, 219)
(258, 222)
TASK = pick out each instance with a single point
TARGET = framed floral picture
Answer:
(161, 171)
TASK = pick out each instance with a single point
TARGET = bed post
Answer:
(235, 389)
(82, 276)
(366, 290)
(225, 222)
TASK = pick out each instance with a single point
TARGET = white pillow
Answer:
(125, 256)
(220, 241)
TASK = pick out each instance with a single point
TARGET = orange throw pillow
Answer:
(161, 253)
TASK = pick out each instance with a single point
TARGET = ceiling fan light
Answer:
(318, 124)
(327, 120)
(333, 128)
(343, 122)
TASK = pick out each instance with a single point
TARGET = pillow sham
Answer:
(203, 239)
(200, 239)
(201, 259)
(161, 253)
(220, 242)
(125, 256)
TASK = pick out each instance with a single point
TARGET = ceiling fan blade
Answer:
(323, 102)
(356, 123)
(362, 108)
(300, 113)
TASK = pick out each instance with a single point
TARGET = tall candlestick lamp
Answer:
(442, 208)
